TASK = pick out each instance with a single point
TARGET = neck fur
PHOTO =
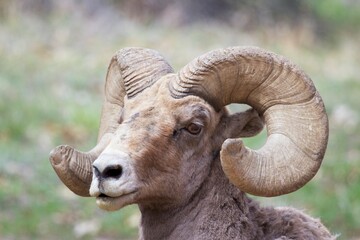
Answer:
(217, 209)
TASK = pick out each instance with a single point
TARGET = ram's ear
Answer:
(242, 124)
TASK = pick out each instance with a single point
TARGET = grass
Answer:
(51, 75)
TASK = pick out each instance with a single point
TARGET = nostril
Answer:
(96, 172)
(114, 171)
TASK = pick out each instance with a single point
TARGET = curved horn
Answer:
(297, 125)
(130, 71)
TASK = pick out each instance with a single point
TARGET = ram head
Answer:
(161, 131)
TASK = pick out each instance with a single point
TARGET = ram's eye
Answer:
(194, 128)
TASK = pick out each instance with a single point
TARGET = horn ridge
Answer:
(293, 111)
(143, 68)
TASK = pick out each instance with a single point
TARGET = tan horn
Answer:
(295, 117)
(130, 71)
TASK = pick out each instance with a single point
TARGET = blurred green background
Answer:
(53, 61)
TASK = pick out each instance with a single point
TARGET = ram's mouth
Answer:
(111, 203)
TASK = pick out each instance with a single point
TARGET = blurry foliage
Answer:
(53, 59)
(327, 17)
(342, 13)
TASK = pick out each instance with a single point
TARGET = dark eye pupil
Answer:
(194, 128)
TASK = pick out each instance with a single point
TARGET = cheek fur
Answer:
(158, 171)
(156, 154)
(167, 167)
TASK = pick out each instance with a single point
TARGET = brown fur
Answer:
(183, 192)
(218, 210)
(162, 136)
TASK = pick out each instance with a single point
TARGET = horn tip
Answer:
(59, 154)
(60, 160)
(232, 147)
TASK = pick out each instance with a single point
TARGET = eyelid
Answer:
(201, 124)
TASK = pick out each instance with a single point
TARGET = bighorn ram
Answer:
(167, 143)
